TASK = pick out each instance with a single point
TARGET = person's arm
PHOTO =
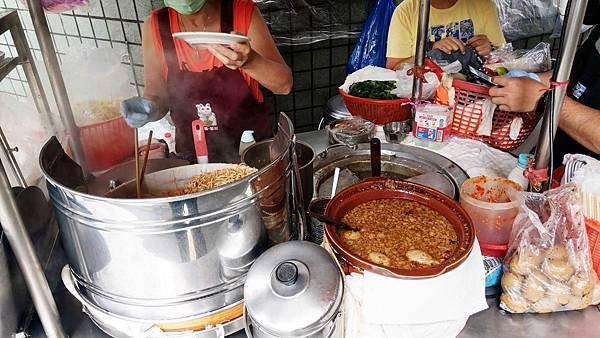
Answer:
(260, 58)
(155, 85)
(582, 123)
(520, 94)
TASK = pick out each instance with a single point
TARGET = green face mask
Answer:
(185, 7)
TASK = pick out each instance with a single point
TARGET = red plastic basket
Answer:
(107, 143)
(377, 111)
(593, 232)
(468, 113)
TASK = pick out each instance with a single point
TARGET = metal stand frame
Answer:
(562, 71)
(422, 29)
(56, 81)
(10, 218)
(569, 39)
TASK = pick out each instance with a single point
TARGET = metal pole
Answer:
(33, 78)
(422, 29)
(56, 81)
(19, 240)
(8, 153)
(568, 42)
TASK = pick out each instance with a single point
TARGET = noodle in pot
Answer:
(209, 180)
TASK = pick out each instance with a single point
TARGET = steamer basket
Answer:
(122, 327)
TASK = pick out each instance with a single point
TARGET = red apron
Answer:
(221, 91)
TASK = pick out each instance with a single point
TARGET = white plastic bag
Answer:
(404, 83)
(97, 79)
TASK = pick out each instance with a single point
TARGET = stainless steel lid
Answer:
(336, 108)
(293, 289)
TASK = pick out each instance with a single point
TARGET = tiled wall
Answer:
(318, 67)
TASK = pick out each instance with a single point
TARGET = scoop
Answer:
(316, 209)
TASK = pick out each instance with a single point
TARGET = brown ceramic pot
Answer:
(383, 188)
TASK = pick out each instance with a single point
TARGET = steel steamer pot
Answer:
(171, 259)
(334, 110)
(295, 289)
(398, 161)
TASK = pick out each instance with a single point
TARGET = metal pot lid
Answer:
(336, 108)
(293, 289)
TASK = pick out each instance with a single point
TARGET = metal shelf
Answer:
(13, 227)
(8, 65)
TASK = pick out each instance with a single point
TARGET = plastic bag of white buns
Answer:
(548, 267)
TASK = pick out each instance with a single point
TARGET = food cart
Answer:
(61, 315)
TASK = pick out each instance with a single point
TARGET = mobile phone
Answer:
(481, 76)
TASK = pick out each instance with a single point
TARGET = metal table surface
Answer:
(489, 323)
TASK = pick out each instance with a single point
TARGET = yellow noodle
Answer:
(210, 180)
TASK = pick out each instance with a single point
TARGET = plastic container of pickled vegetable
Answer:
(487, 200)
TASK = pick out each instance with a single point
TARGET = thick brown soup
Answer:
(399, 234)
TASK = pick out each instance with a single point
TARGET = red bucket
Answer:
(107, 143)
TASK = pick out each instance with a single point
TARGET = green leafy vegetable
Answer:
(378, 90)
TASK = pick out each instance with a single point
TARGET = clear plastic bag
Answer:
(299, 22)
(353, 131)
(535, 60)
(59, 6)
(371, 46)
(98, 100)
(548, 266)
(526, 18)
(404, 83)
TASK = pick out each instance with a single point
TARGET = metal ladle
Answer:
(316, 209)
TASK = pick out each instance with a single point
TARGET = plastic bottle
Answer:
(200, 144)
(246, 140)
(170, 140)
(516, 175)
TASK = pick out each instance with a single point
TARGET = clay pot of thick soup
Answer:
(406, 230)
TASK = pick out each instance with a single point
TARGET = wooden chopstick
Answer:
(146, 152)
(138, 184)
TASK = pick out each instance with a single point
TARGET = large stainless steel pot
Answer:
(398, 161)
(334, 110)
(176, 258)
(121, 327)
(294, 290)
(257, 156)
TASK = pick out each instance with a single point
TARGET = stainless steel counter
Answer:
(490, 323)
